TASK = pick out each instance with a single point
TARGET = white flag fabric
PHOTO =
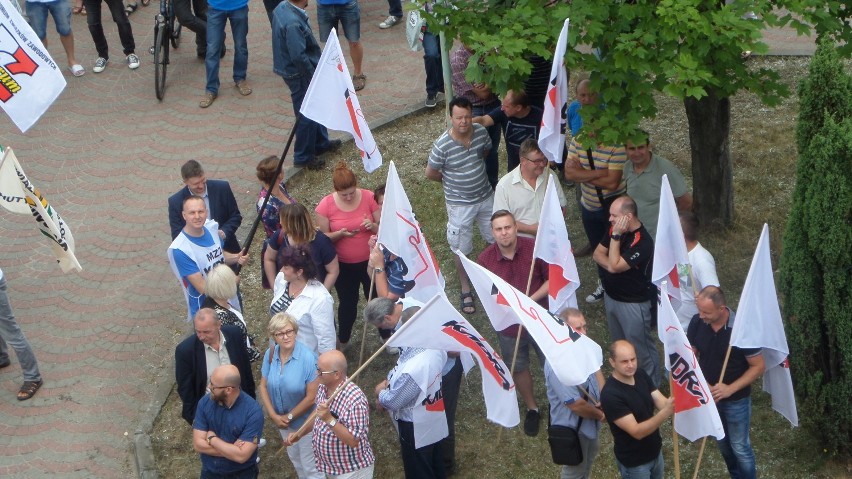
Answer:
(573, 356)
(759, 325)
(30, 80)
(671, 259)
(19, 195)
(331, 101)
(439, 326)
(696, 415)
(553, 246)
(551, 137)
(400, 233)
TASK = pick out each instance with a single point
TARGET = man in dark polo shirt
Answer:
(709, 333)
(626, 256)
(510, 258)
(628, 400)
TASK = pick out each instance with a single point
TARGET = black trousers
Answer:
(192, 14)
(424, 463)
(352, 275)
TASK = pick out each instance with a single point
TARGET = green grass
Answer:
(764, 156)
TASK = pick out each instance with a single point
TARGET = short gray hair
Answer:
(377, 309)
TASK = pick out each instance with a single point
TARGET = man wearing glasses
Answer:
(227, 428)
(521, 191)
(197, 356)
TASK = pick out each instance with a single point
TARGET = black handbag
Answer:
(565, 444)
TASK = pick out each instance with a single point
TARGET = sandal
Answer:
(145, 3)
(467, 307)
(243, 87)
(29, 389)
(359, 81)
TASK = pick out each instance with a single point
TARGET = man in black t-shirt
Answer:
(518, 119)
(626, 256)
(628, 400)
(709, 332)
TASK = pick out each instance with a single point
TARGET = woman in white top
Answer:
(298, 292)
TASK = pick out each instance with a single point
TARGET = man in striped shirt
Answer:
(457, 160)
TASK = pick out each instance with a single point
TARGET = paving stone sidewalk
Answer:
(107, 155)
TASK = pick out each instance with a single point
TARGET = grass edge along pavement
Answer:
(143, 451)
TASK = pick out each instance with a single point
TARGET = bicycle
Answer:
(166, 30)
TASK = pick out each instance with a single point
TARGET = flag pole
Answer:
(704, 441)
(278, 169)
(675, 442)
(369, 297)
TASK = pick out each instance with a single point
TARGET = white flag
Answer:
(439, 326)
(553, 246)
(551, 138)
(400, 234)
(671, 259)
(20, 196)
(759, 325)
(572, 356)
(332, 102)
(696, 415)
(30, 80)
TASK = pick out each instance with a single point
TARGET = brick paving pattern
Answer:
(107, 155)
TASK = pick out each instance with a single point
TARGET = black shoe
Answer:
(531, 423)
(314, 164)
(201, 55)
(431, 101)
(333, 145)
(5, 363)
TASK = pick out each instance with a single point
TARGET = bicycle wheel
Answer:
(161, 60)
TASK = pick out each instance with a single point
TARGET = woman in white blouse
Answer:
(298, 292)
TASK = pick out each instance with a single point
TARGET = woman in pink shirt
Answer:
(349, 216)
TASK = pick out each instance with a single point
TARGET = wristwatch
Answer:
(210, 438)
(289, 416)
(616, 237)
(332, 423)
(378, 270)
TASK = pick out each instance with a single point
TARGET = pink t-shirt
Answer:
(355, 249)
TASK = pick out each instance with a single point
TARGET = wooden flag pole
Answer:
(704, 440)
(675, 441)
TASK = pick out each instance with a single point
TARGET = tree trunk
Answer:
(712, 170)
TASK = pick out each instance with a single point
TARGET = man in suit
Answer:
(218, 197)
(198, 355)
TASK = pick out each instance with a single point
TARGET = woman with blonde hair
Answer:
(288, 389)
(221, 285)
(297, 228)
(349, 216)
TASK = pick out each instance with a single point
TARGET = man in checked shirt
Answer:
(340, 443)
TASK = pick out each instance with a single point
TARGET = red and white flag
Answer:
(572, 355)
(551, 138)
(671, 259)
(553, 246)
(759, 325)
(696, 415)
(332, 102)
(19, 195)
(30, 81)
(439, 326)
(400, 234)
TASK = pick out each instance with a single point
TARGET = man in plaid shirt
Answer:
(340, 443)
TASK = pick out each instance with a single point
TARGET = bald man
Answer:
(342, 424)
(227, 427)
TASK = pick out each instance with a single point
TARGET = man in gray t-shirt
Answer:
(457, 160)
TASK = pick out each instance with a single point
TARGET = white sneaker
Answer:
(261, 443)
(100, 65)
(597, 295)
(389, 22)
(132, 61)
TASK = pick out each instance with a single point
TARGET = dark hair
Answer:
(191, 169)
(379, 191)
(529, 145)
(266, 170)
(343, 178)
(715, 294)
(299, 257)
(502, 213)
(689, 224)
(460, 102)
(520, 98)
(193, 198)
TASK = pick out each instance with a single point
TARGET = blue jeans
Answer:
(310, 135)
(216, 39)
(491, 165)
(59, 9)
(736, 446)
(650, 470)
(432, 62)
(9, 331)
(347, 14)
(595, 224)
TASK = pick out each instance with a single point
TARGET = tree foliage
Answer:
(816, 263)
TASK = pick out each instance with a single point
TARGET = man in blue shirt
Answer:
(227, 428)
(218, 12)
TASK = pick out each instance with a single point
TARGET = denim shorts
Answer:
(347, 14)
(59, 9)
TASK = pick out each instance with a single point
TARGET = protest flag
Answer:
(551, 138)
(553, 246)
(671, 259)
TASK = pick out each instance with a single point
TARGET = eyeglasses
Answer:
(321, 372)
(284, 334)
(213, 388)
(540, 161)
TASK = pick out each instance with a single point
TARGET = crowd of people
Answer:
(324, 420)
